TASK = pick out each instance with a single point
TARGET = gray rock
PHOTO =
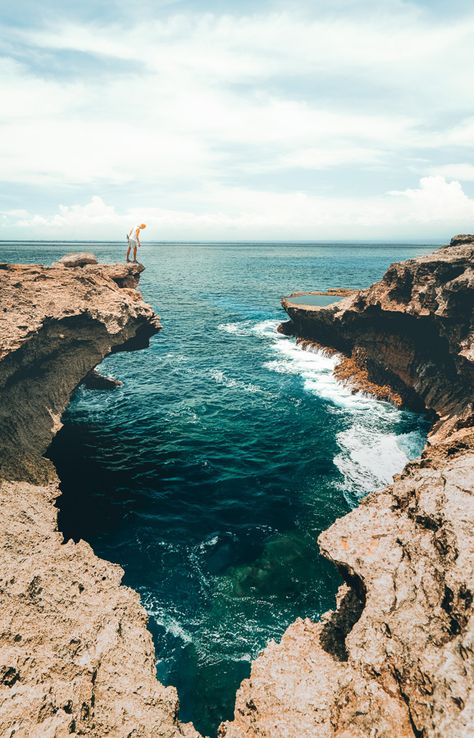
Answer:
(76, 260)
(96, 380)
(462, 238)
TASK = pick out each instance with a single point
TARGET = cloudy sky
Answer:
(237, 120)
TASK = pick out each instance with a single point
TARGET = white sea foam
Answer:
(262, 329)
(221, 378)
(241, 328)
(370, 451)
(368, 458)
(164, 618)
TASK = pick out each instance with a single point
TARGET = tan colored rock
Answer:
(76, 657)
(396, 658)
(76, 260)
(413, 330)
(55, 325)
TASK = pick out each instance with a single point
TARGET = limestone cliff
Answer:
(396, 658)
(76, 657)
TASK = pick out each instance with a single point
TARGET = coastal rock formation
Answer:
(76, 658)
(55, 325)
(96, 380)
(76, 260)
(412, 330)
(396, 658)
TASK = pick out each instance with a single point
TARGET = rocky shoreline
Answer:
(76, 657)
(396, 658)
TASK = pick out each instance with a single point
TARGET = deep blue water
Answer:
(210, 473)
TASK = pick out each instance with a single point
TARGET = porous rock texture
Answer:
(76, 657)
(396, 658)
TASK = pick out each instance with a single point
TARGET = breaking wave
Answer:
(370, 449)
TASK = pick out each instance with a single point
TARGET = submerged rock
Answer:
(396, 658)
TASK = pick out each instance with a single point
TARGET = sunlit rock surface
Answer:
(396, 657)
(76, 657)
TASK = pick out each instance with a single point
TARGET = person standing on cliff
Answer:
(133, 238)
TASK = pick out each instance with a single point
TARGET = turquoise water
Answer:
(210, 473)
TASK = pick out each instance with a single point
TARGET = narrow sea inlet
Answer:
(208, 475)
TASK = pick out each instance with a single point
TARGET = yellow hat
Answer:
(143, 225)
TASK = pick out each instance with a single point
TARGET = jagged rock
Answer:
(76, 657)
(55, 325)
(462, 238)
(412, 330)
(396, 658)
(286, 328)
(96, 380)
(125, 275)
(76, 260)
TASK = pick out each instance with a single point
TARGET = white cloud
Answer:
(193, 101)
(233, 213)
(324, 158)
(436, 200)
(463, 172)
(393, 41)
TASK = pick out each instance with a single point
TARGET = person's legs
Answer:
(128, 251)
(135, 252)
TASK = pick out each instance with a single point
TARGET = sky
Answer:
(236, 120)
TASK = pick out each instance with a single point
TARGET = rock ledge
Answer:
(396, 658)
(76, 657)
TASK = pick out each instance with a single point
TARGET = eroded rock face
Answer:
(76, 657)
(55, 325)
(396, 659)
(412, 330)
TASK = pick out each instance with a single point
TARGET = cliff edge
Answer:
(76, 657)
(396, 658)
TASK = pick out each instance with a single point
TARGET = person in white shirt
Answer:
(133, 238)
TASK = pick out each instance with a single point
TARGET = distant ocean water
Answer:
(210, 473)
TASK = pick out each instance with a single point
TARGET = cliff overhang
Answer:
(76, 657)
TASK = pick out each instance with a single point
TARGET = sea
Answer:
(210, 473)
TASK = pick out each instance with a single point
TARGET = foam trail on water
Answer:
(221, 378)
(164, 617)
(240, 328)
(371, 451)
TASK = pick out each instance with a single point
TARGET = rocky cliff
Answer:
(396, 658)
(76, 657)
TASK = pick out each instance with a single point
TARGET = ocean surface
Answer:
(210, 473)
